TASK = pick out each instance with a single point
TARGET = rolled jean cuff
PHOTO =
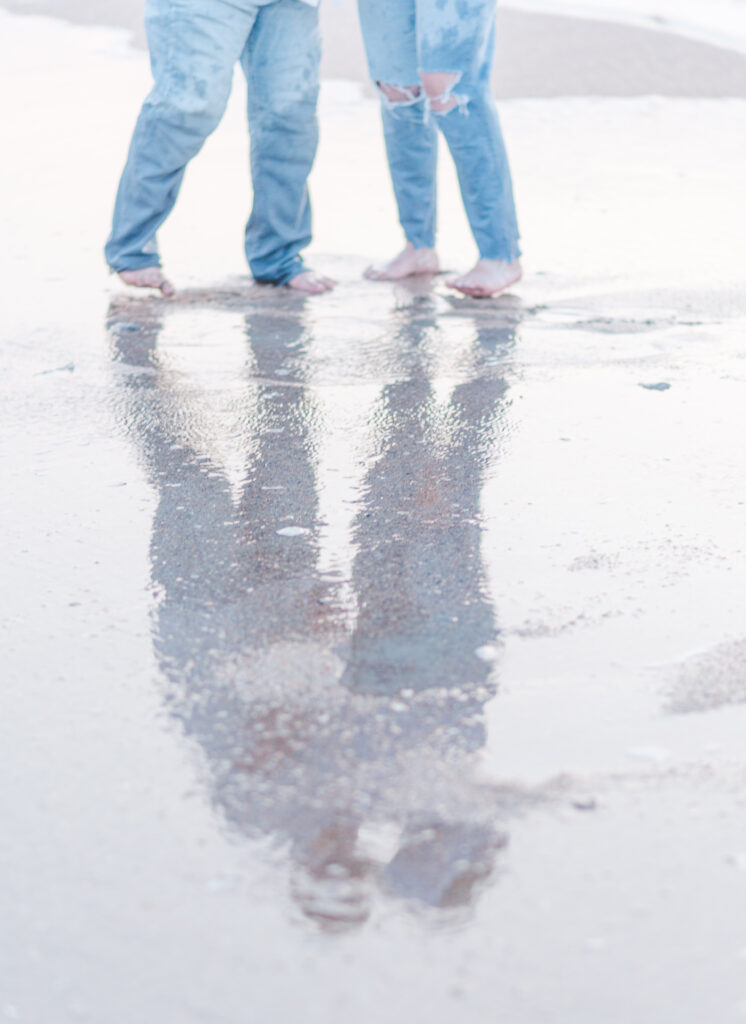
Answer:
(285, 276)
(507, 251)
(116, 266)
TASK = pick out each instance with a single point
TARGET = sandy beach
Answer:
(378, 654)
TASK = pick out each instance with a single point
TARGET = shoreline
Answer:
(717, 32)
(539, 54)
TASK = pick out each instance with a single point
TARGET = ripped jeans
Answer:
(194, 46)
(432, 61)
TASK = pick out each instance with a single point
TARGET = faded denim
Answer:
(194, 46)
(405, 38)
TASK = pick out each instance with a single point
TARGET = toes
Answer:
(150, 277)
(311, 284)
(377, 275)
(474, 291)
(466, 289)
(304, 282)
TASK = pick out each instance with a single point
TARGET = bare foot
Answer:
(148, 277)
(311, 283)
(488, 278)
(409, 262)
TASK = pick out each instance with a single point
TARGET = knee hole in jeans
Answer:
(439, 95)
(401, 94)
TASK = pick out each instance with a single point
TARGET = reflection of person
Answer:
(418, 530)
(348, 745)
(194, 46)
(432, 61)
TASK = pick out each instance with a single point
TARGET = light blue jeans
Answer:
(404, 39)
(194, 46)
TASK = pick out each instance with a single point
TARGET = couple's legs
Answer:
(194, 46)
(432, 60)
(411, 136)
(411, 148)
(281, 63)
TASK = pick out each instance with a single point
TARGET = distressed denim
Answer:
(194, 46)
(404, 39)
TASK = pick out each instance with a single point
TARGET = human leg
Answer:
(411, 139)
(456, 48)
(281, 64)
(194, 46)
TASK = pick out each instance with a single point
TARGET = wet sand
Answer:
(380, 654)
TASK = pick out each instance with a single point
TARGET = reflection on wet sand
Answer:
(338, 713)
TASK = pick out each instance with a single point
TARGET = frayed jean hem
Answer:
(507, 251)
(137, 263)
(297, 267)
